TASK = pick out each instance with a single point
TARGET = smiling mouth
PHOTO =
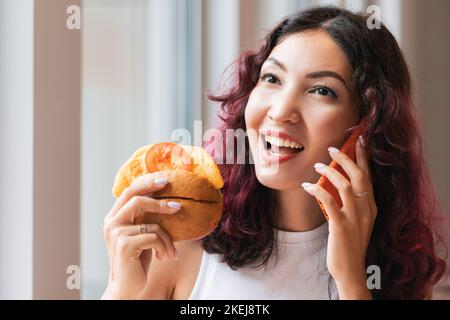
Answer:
(279, 146)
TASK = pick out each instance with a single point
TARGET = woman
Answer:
(316, 76)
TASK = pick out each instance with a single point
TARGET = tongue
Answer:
(283, 150)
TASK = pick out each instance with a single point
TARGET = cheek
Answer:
(255, 111)
(326, 131)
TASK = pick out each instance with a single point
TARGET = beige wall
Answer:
(427, 48)
(56, 179)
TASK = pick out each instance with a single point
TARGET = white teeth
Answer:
(279, 142)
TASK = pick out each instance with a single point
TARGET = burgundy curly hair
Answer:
(404, 238)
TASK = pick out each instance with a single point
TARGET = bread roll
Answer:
(194, 180)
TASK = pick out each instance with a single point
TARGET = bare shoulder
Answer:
(175, 279)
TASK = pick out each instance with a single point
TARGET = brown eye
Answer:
(325, 91)
(269, 78)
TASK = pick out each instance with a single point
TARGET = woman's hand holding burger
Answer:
(165, 193)
(130, 246)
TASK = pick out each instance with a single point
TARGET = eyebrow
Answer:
(311, 75)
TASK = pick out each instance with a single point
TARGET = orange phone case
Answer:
(349, 149)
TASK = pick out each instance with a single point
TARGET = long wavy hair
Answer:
(404, 238)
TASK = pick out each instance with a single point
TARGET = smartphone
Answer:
(348, 148)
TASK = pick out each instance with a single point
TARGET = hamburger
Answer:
(194, 180)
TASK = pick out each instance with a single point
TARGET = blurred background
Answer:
(76, 102)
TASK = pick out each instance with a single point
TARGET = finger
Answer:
(358, 178)
(142, 185)
(146, 258)
(131, 247)
(133, 254)
(133, 230)
(361, 156)
(155, 228)
(138, 205)
(353, 171)
(363, 162)
(325, 198)
(343, 186)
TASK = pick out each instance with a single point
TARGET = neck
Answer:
(299, 211)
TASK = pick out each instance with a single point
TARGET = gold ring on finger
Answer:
(361, 194)
(143, 228)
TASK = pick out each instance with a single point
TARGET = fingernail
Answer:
(160, 181)
(319, 165)
(361, 141)
(333, 150)
(174, 205)
(306, 185)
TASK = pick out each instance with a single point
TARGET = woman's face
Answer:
(304, 95)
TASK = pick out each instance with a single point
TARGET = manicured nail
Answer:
(174, 205)
(319, 165)
(160, 181)
(307, 185)
(361, 141)
(333, 150)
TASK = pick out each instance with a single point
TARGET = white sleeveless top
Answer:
(300, 272)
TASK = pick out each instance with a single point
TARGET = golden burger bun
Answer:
(194, 180)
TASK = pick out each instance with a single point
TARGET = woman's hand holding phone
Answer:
(351, 221)
(348, 148)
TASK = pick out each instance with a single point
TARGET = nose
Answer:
(285, 109)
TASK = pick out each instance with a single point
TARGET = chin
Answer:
(280, 178)
(286, 176)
